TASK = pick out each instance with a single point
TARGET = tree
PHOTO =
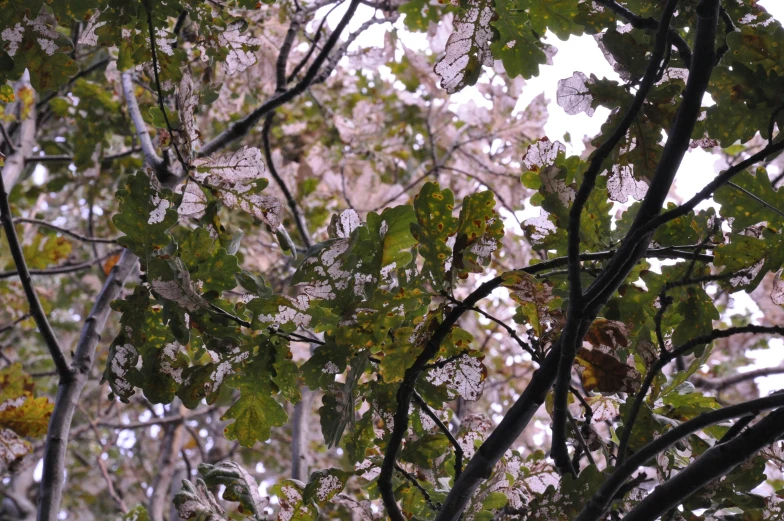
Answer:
(258, 268)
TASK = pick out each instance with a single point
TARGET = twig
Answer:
(161, 105)
(418, 486)
(444, 429)
(666, 357)
(59, 270)
(13, 324)
(243, 126)
(70, 233)
(760, 201)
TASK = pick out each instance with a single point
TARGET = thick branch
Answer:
(36, 310)
(714, 463)
(601, 500)
(575, 318)
(69, 391)
(636, 242)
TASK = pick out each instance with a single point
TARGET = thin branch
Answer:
(161, 105)
(444, 429)
(413, 480)
(178, 418)
(599, 503)
(13, 324)
(719, 384)
(59, 270)
(638, 22)
(243, 126)
(298, 220)
(36, 309)
(70, 233)
(760, 201)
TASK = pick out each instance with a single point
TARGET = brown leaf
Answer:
(610, 333)
(604, 373)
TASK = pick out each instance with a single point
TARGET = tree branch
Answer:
(599, 503)
(75, 235)
(243, 126)
(665, 358)
(719, 384)
(445, 430)
(69, 391)
(59, 270)
(638, 22)
(636, 241)
(575, 316)
(36, 310)
(713, 463)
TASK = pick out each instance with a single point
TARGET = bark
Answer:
(70, 389)
(167, 463)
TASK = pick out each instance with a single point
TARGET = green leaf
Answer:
(518, 46)
(292, 505)
(240, 487)
(210, 266)
(256, 411)
(425, 450)
(145, 216)
(479, 233)
(255, 415)
(435, 225)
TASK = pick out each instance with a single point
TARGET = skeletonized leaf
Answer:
(468, 48)
(180, 289)
(237, 179)
(12, 447)
(542, 154)
(240, 47)
(194, 202)
(573, 96)
(604, 373)
(187, 139)
(324, 484)
(292, 506)
(464, 376)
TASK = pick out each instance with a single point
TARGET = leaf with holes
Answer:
(468, 48)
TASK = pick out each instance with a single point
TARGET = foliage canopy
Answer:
(261, 265)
